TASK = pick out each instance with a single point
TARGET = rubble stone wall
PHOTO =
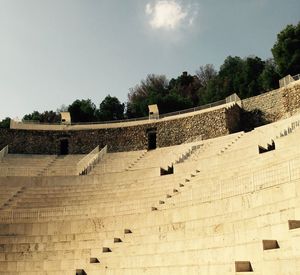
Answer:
(276, 104)
(216, 122)
(169, 132)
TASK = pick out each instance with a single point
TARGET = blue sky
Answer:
(55, 51)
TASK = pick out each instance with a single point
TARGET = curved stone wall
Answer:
(172, 131)
(129, 136)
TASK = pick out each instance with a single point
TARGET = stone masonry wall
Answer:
(261, 109)
(270, 104)
(169, 132)
(291, 99)
(209, 125)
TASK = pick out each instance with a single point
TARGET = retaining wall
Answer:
(172, 131)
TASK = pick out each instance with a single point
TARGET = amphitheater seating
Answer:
(62, 166)
(226, 210)
(39, 165)
(24, 165)
(117, 162)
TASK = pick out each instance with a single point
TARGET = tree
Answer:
(62, 108)
(173, 102)
(212, 92)
(111, 109)
(45, 117)
(5, 123)
(186, 87)
(286, 50)
(34, 116)
(82, 111)
(205, 74)
(145, 93)
(236, 75)
(269, 77)
(50, 117)
(178, 94)
(249, 80)
(230, 76)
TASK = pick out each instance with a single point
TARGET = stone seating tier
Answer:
(222, 206)
(220, 230)
(174, 198)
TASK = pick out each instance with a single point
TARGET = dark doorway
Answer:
(151, 140)
(64, 146)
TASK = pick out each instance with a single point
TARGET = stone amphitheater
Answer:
(190, 193)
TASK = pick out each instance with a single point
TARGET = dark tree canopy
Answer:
(269, 76)
(148, 92)
(186, 87)
(45, 117)
(110, 109)
(236, 75)
(286, 50)
(34, 116)
(83, 111)
(170, 96)
(5, 123)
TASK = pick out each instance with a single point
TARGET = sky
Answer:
(53, 52)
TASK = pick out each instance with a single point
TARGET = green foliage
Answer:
(34, 116)
(286, 50)
(205, 74)
(247, 77)
(186, 88)
(269, 77)
(237, 75)
(178, 94)
(110, 109)
(149, 91)
(45, 117)
(212, 92)
(5, 123)
(83, 111)
(241, 76)
(173, 102)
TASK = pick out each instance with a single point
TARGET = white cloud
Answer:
(149, 9)
(168, 14)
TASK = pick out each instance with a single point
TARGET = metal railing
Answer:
(195, 109)
(3, 152)
(85, 164)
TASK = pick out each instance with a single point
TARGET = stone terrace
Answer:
(230, 206)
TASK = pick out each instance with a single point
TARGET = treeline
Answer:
(83, 111)
(247, 77)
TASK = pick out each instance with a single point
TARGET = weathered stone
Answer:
(174, 131)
